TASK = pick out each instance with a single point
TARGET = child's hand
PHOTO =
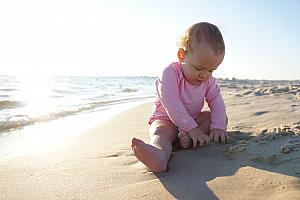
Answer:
(218, 135)
(198, 136)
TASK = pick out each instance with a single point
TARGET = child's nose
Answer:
(208, 75)
(204, 75)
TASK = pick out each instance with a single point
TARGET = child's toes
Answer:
(184, 140)
(184, 145)
(180, 135)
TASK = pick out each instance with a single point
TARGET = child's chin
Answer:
(196, 82)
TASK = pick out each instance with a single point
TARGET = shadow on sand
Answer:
(191, 170)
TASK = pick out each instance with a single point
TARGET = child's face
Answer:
(199, 64)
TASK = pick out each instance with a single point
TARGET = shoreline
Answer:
(37, 138)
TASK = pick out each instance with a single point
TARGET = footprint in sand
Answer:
(271, 159)
(261, 113)
(238, 142)
(291, 145)
(247, 92)
(123, 158)
(236, 135)
(294, 105)
(115, 155)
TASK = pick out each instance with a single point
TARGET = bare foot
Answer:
(184, 140)
(152, 157)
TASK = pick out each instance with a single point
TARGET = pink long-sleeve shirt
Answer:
(181, 102)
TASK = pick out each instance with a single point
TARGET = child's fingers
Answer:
(206, 139)
(201, 142)
(211, 136)
(226, 137)
(222, 136)
(216, 137)
(195, 141)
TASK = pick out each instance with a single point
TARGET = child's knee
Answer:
(164, 134)
(203, 116)
(163, 129)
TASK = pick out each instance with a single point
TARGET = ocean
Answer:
(26, 101)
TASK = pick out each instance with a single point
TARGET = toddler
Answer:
(181, 91)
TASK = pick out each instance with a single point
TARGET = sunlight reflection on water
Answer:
(35, 91)
(53, 135)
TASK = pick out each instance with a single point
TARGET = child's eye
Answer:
(198, 69)
(201, 69)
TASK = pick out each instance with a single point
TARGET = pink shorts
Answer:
(153, 118)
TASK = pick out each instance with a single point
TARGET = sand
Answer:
(262, 160)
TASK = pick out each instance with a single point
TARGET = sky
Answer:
(139, 37)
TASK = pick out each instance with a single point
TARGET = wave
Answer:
(15, 122)
(8, 89)
(11, 104)
(129, 90)
(19, 121)
(116, 101)
(65, 92)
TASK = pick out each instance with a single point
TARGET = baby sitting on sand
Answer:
(180, 94)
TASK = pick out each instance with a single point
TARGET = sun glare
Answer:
(35, 91)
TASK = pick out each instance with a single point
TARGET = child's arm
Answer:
(168, 93)
(216, 104)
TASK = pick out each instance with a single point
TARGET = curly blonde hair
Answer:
(200, 32)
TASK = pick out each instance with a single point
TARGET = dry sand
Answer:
(262, 160)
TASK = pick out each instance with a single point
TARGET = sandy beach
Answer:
(261, 161)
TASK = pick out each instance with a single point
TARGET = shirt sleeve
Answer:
(167, 88)
(216, 104)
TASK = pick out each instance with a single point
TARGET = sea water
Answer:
(39, 112)
(27, 101)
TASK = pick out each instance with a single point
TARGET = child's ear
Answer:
(181, 54)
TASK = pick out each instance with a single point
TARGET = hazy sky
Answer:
(127, 37)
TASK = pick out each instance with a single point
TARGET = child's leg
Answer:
(203, 121)
(157, 153)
